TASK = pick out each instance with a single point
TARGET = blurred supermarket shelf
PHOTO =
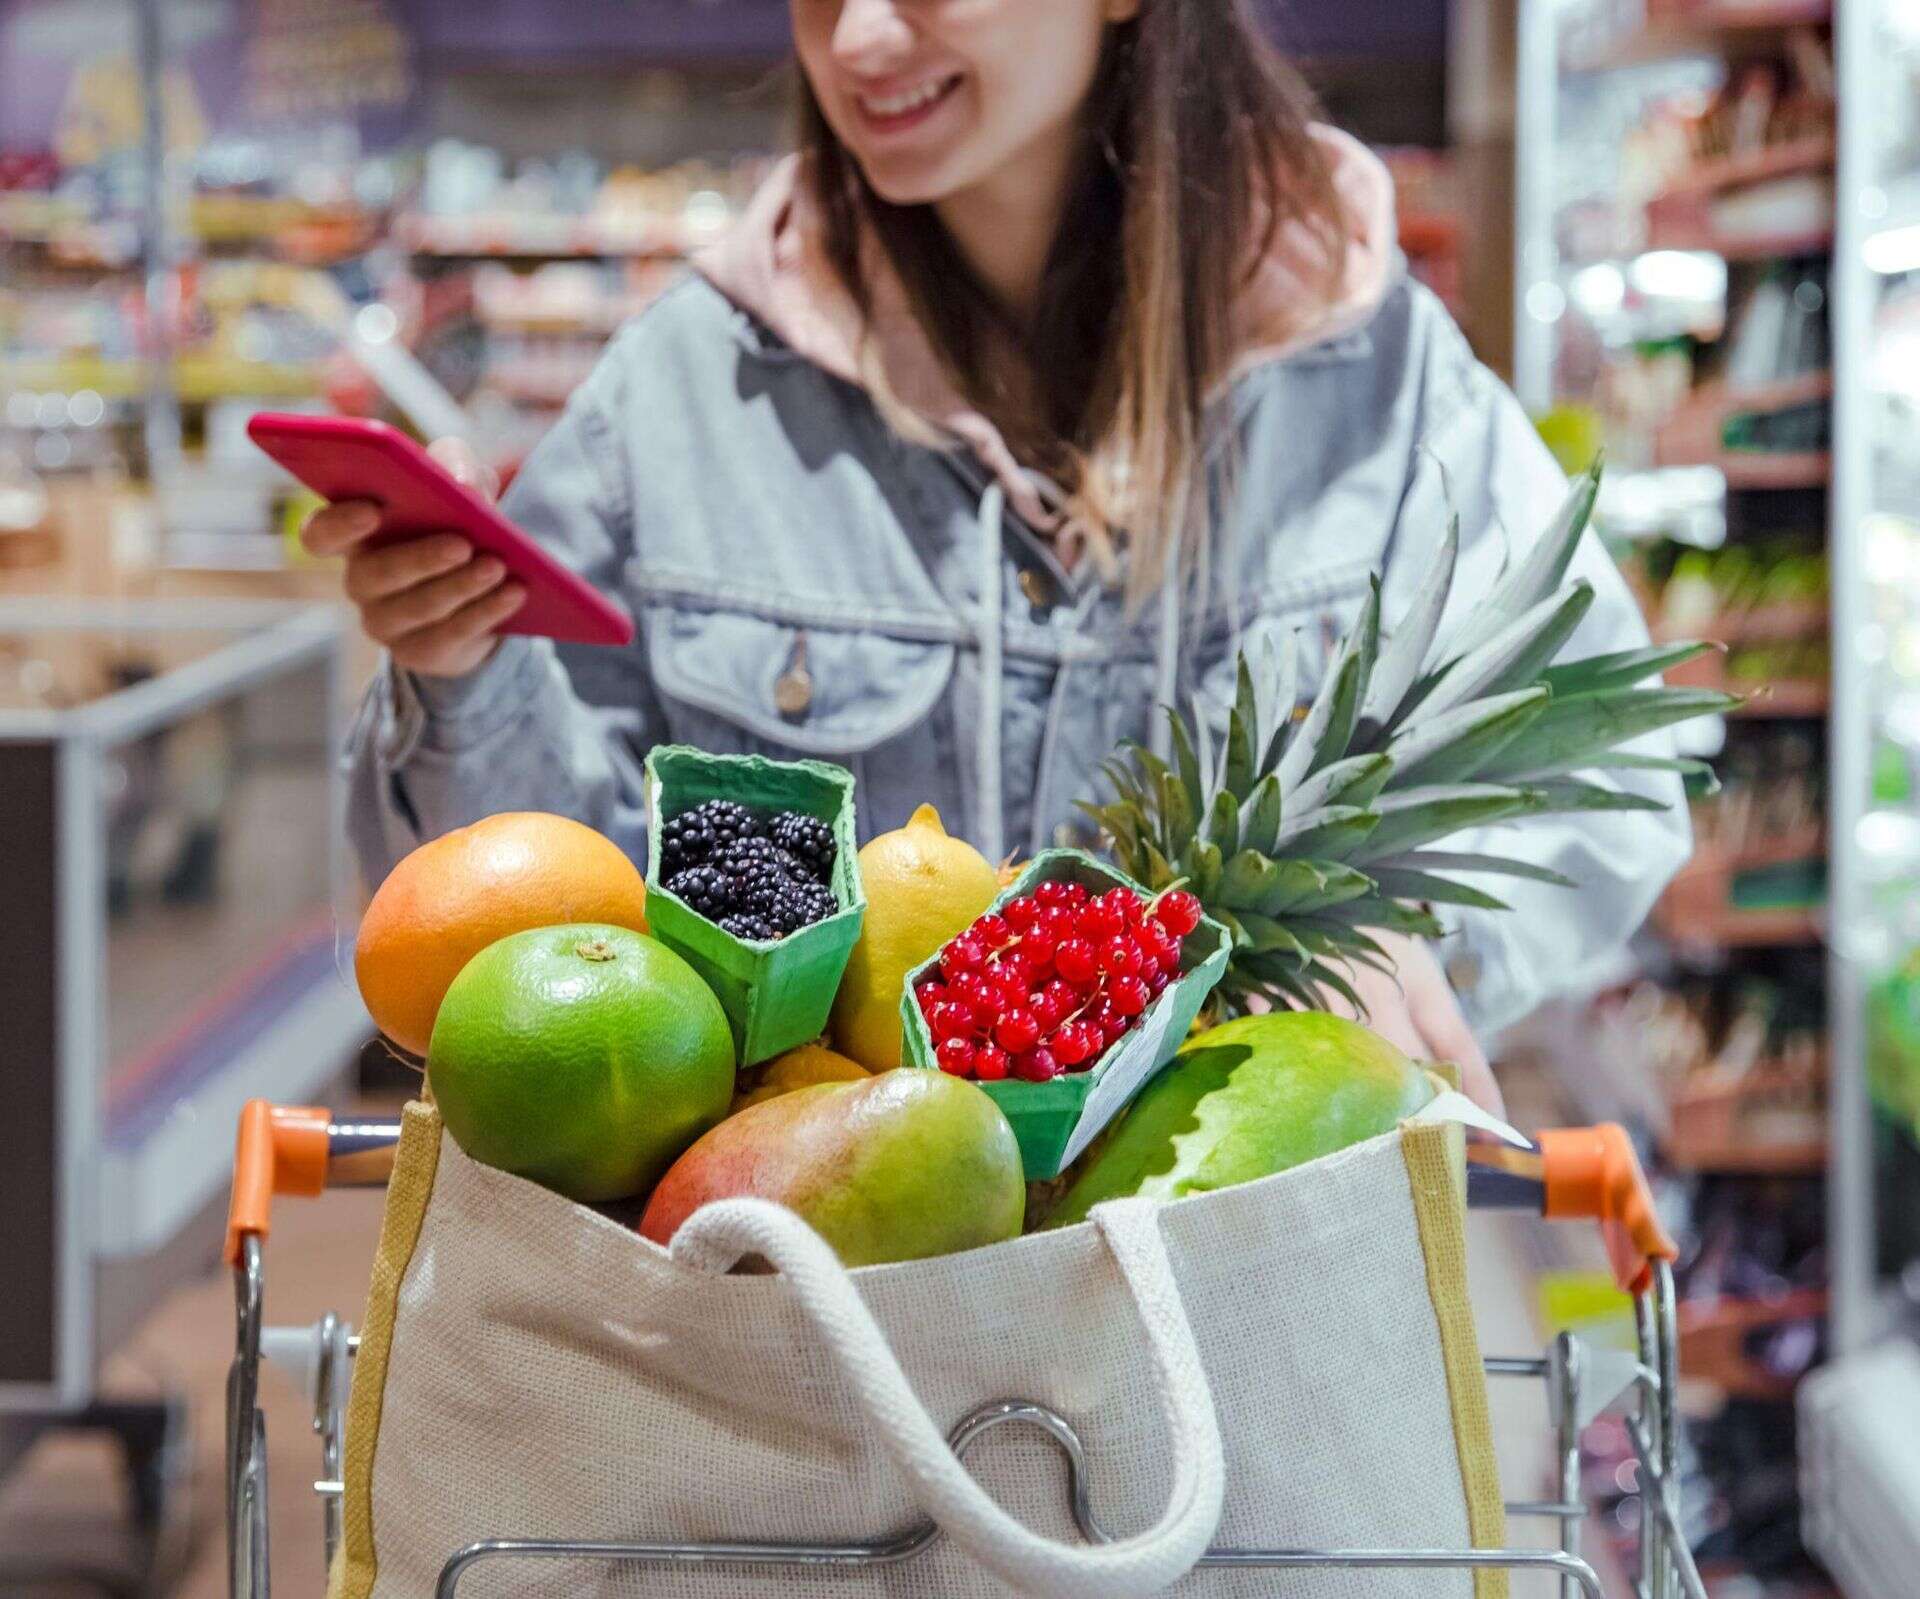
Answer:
(1728, 28)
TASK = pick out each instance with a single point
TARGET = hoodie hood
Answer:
(771, 264)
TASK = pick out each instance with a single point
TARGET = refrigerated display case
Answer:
(1676, 217)
(1861, 1455)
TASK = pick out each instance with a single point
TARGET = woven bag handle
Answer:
(718, 1235)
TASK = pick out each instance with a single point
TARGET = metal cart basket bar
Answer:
(1581, 1173)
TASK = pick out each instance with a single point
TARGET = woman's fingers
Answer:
(429, 603)
(458, 643)
(374, 575)
(336, 529)
(1436, 1012)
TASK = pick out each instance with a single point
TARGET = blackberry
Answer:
(755, 929)
(728, 820)
(706, 889)
(685, 840)
(747, 859)
(808, 838)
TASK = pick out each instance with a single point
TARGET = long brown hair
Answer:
(1197, 148)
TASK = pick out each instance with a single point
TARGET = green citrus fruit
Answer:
(584, 1057)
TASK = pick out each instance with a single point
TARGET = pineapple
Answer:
(1304, 835)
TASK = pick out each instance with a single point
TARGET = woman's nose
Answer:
(871, 34)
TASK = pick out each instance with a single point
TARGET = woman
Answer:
(1065, 305)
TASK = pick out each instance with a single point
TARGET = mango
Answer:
(1246, 1100)
(896, 1167)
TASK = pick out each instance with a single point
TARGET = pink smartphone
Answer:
(345, 458)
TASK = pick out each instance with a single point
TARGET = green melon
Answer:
(1257, 1096)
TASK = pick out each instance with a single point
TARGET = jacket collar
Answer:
(771, 263)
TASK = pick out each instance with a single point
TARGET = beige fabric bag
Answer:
(1289, 1364)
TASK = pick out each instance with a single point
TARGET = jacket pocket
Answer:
(871, 699)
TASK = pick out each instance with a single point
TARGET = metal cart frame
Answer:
(1587, 1173)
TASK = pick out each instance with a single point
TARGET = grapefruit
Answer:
(1257, 1096)
(923, 888)
(583, 1057)
(453, 897)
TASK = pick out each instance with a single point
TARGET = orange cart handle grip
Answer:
(1593, 1174)
(281, 1149)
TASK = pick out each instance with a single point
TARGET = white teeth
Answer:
(900, 104)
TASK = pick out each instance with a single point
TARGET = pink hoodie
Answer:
(772, 264)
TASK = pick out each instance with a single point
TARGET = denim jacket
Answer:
(758, 515)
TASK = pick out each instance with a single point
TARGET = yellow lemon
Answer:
(923, 888)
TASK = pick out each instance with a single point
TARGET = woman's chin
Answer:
(910, 182)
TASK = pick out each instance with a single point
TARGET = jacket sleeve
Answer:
(1480, 458)
(539, 726)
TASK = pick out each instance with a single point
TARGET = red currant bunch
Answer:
(1051, 982)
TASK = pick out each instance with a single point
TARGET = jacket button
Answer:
(1037, 587)
(793, 693)
(793, 688)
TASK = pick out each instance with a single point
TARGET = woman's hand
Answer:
(431, 601)
(1419, 1014)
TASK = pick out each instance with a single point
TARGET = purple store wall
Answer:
(43, 41)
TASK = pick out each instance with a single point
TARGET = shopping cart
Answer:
(1585, 1173)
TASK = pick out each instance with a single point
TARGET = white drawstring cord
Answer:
(1166, 682)
(987, 736)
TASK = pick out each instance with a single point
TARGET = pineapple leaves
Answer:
(1253, 882)
(1526, 670)
(1571, 734)
(1176, 814)
(1355, 781)
(1223, 823)
(1186, 760)
(1307, 831)
(1434, 860)
(1685, 766)
(1418, 816)
(1203, 751)
(1626, 669)
(1322, 738)
(1265, 936)
(1202, 867)
(1285, 694)
(1388, 915)
(1260, 817)
(1562, 795)
(1335, 831)
(1476, 675)
(1540, 574)
(1407, 648)
(1399, 883)
(1237, 775)
(1452, 746)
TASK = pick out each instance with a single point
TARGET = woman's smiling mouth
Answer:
(903, 109)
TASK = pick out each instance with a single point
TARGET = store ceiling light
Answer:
(1893, 252)
(1599, 290)
(1679, 275)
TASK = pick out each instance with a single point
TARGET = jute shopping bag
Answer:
(1288, 1364)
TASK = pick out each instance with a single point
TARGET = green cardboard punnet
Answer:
(1055, 1121)
(777, 994)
